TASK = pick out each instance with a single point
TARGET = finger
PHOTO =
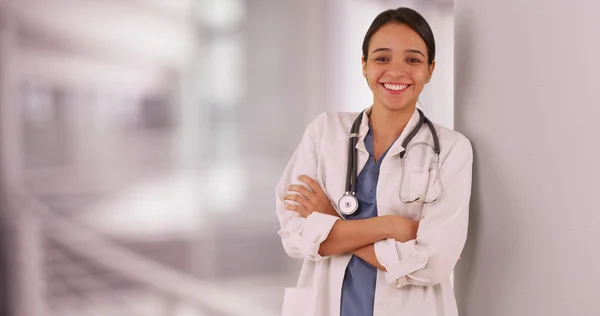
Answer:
(312, 197)
(298, 209)
(313, 184)
(301, 200)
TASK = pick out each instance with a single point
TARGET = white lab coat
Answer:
(417, 281)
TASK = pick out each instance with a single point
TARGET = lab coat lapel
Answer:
(363, 154)
(397, 145)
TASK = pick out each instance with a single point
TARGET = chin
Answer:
(398, 107)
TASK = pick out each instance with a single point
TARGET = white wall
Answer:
(526, 96)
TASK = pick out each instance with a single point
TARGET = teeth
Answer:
(395, 87)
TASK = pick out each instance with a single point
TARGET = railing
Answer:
(173, 285)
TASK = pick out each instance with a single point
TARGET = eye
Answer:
(414, 60)
(381, 59)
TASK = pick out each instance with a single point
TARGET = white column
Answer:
(526, 95)
(315, 39)
(195, 138)
(193, 114)
(348, 21)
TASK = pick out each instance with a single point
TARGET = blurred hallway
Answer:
(141, 141)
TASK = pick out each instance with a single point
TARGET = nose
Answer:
(397, 69)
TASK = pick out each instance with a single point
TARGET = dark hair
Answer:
(408, 17)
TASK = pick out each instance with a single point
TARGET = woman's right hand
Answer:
(400, 228)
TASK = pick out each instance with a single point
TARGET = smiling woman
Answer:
(401, 58)
(392, 241)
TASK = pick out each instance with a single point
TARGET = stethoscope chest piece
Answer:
(348, 204)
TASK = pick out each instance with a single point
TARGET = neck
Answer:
(388, 125)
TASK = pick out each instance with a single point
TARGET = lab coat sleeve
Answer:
(430, 258)
(302, 237)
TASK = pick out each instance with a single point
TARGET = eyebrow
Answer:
(384, 49)
(416, 51)
(381, 49)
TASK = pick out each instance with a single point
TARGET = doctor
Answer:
(393, 251)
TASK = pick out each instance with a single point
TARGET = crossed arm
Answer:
(356, 236)
(311, 229)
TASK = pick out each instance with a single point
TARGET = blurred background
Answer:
(141, 142)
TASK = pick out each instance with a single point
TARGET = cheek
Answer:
(419, 83)
(420, 75)
(372, 79)
(374, 72)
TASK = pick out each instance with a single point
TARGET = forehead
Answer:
(397, 37)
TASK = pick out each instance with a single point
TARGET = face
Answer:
(396, 67)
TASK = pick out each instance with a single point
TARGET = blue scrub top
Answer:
(358, 288)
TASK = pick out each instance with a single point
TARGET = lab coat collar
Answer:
(396, 147)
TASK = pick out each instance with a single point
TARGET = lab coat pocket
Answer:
(299, 301)
(418, 184)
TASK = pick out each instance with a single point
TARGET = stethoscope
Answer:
(348, 203)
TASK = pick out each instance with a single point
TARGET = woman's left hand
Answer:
(309, 201)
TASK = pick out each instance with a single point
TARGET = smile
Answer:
(395, 88)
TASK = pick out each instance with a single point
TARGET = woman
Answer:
(394, 255)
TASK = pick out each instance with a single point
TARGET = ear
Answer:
(431, 69)
(364, 65)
